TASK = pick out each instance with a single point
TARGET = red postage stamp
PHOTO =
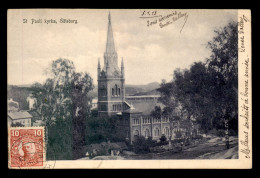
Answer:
(26, 147)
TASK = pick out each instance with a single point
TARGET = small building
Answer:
(22, 117)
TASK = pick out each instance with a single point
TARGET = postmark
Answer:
(26, 147)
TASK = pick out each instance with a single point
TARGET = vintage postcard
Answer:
(129, 88)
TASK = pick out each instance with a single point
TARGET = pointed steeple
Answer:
(122, 63)
(110, 46)
(98, 68)
(99, 63)
(122, 68)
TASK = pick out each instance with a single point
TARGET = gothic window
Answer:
(136, 132)
(113, 92)
(102, 91)
(146, 133)
(116, 89)
(119, 91)
(156, 132)
(166, 131)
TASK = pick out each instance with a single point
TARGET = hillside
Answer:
(135, 90)
(20, 92)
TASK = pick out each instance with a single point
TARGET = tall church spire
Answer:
(122, 68)
(110, 46)
(99, 68)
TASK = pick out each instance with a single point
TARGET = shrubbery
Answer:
(142, 145)
(178, 134)
(163, 141)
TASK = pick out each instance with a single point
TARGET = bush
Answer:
(163, 138)
(163, 141)
(221, 133)
(140, 145)
(151, 142)
(178, 134)
(177, 140)
(198, 137)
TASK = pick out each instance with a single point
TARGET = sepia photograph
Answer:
(129, 88)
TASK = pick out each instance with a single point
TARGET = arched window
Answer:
(116, 89)
(146, 133)
(156, 132)
(113, 92)
(119, 91)
(166, 131)
(136, 132)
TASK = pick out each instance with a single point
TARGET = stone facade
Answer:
(149, 127)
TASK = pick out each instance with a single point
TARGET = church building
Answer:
(111, 80)
(112, 99)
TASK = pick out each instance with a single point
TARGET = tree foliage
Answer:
(103, 129)
(64, 104)
(207, 91)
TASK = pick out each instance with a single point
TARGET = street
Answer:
(212, 149)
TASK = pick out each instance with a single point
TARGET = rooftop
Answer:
(143, 104)
(19, 115)
(143, 96)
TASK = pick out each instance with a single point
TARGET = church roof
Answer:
(132, 110)
(110, 46)
(144, 104)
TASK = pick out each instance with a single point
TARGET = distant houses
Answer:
(17, 117)
(21, 117)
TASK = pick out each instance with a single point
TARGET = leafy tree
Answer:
(64, 105)
(101, 129)
(157, 112)
(207, 91)
(223, 67)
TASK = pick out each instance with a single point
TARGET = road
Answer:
(212, 149)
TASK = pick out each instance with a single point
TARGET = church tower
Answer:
(111, 80)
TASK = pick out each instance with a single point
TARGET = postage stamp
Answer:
(26, 147)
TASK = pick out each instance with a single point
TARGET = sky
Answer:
(150, 53)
